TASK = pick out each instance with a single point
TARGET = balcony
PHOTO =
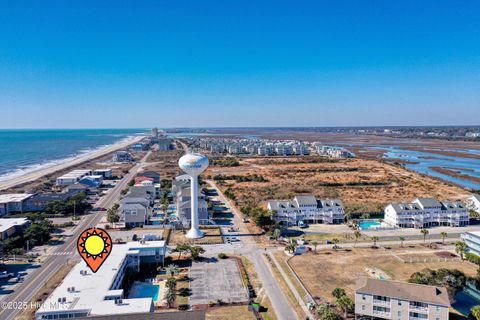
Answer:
(419, 309)
(381, 302)
(382, 314)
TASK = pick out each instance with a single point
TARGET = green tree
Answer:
(182, 248)
(357, 234)
(277, 233)
(290, 247)
(401, 241)
(169, 297)
(171, 283)
(38, 233)
(475, 312)
(346, 304)
(196, 251)
(335, 241)
(424, 232)
(461, 248)
(112, 214)
(444, 235)
(315, 244)
(374, 239)
(338, 293)
(326, 313)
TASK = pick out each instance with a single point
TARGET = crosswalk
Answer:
(62, 253)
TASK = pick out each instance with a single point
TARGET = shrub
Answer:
(222, 255)
(183, 307)
(472, 258)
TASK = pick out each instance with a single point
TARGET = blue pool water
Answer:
(369, 224)
(464, 302)
(145, 291)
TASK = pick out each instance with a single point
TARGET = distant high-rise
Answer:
(154, 132)
(194, 164)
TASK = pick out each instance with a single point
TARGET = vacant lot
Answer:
(362, 184)
(327, 270)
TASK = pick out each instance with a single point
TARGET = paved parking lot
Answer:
(219, 279)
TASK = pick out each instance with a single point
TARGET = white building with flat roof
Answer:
(10, 226)
(72, 177)
(83, 293)
(12, 202)
(427, 212)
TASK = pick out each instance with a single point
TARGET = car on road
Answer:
(5, 274)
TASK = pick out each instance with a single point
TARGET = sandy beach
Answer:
(34, 175)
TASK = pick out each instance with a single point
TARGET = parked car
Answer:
(5, 274)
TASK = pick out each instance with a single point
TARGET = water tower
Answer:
(194, 164)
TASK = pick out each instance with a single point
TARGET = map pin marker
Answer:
(94, 246)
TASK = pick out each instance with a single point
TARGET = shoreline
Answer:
(67, 163)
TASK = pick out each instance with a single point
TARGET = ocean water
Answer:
(25, 150)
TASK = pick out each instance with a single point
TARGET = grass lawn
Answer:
(229, 312)
(327, 270)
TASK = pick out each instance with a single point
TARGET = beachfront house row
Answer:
(385, 299)
(472, 240)
(473, 203)
(426, 213)
(13, 202)
(307, 209)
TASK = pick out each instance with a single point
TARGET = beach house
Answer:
(12, 226)
(426, 213)
(473, 203)
(307, 209)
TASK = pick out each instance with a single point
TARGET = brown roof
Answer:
(404, 291)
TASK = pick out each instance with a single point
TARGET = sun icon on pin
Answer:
(94, 245)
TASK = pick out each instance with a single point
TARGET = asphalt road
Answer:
(251, 250)
(37, 279)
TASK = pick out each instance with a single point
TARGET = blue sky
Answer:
(238, 63)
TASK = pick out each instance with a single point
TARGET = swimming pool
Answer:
(144, 290)
(369, 224)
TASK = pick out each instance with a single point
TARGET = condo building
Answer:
(474, 203)
(384, 299)
(307, 209)
(472, 240)
(73, 177)
(426, 213)
(83, 293)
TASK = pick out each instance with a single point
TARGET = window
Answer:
(363, 307)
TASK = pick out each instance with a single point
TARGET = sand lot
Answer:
(362, 184)
(323, 272)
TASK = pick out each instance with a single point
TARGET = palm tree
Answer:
(315, 244)
(374, 239)
(169, 297)
(171, 283)
(335, 241)
(460, 248)
(357, 234)
(346, 304)
(424, 232)
(444, 235)
(172, 270)
(401, 241)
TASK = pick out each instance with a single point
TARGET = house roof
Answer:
(14, 197)
(428, 202)
(404, 291)
(308, 200)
